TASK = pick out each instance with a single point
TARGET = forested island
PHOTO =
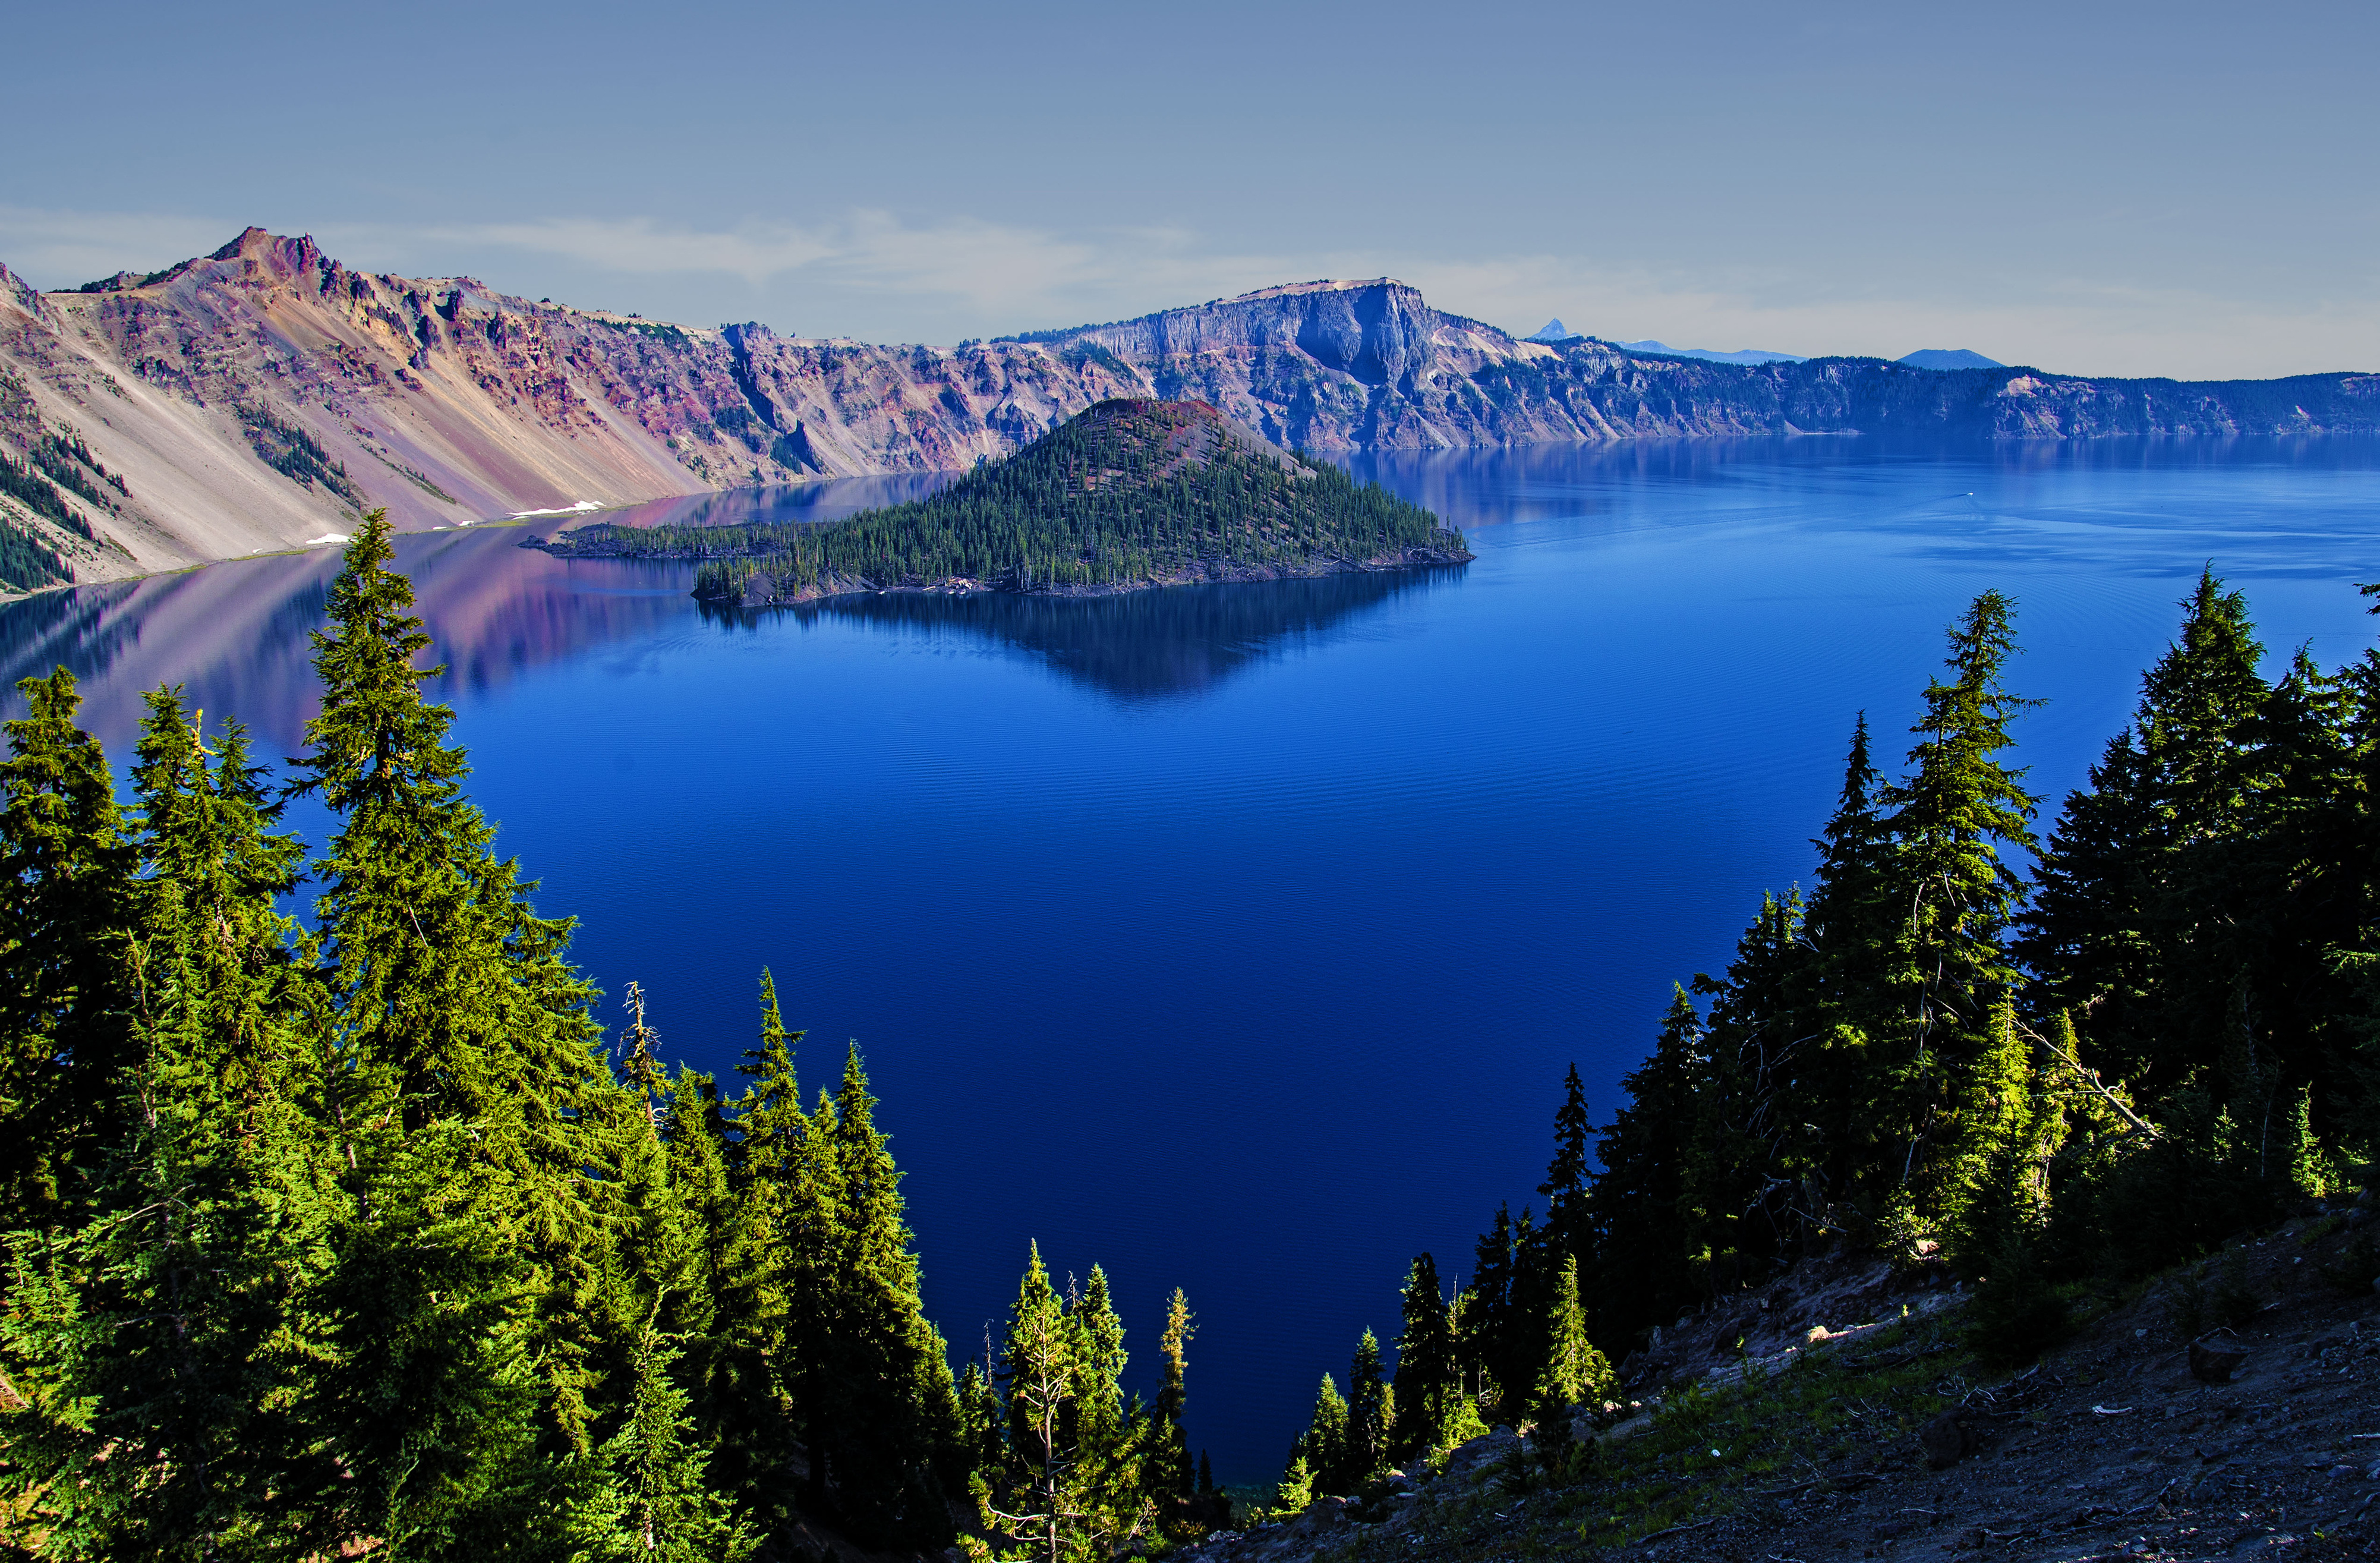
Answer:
(1131, 494)
(362, 1236)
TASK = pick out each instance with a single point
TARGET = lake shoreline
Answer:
(761, 591)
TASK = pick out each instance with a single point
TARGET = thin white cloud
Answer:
(970, 276)
(997, 269)
(756, 252)
(2067, 325)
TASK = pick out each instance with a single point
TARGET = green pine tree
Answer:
(1644, 1269)
(1168, 1470)
(1429, 1374)
(1370, 1417)
(170, 1351)
(1295, 1490)
(1576, 1373)
(887, 1421)
(1959, 808)
(66, 895)
(460, 1016)
(1054, 1498)
(1324, 1446)
(213, 874)
(661, 1509)
(1570, 1225)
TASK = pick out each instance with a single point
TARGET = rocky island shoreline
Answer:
(1132, 493)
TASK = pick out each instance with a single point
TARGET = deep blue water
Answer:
(1236, 938)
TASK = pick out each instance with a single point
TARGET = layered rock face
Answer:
(450, 403)
(1344, 366)
(262, 396)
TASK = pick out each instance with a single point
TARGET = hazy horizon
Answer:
(2124, 191)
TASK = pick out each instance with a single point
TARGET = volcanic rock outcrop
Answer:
(261, 397)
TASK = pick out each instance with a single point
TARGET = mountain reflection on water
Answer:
(237, 635)
(772, 502)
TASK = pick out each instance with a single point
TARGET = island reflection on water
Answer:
(1138, 645)
(237, 635)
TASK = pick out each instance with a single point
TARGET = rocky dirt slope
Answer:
(1816, 1420)
(260, 397)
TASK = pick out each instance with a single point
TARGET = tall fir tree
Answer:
(1054, 1496)
(661, 1509)
(213, 872)
(887, 1418)
(1748, 1152)
(2151, 887)
(764, 1384)
(1575, 1373)
(1428, 1374)
(1645, 1275)
(66, 894)
(1168, 1471)
(1960, 807)
(1371, 1415)
(1322, 1448)
(456, 1003)
(170, 1351)
(1570, 1224)
(1848, 933)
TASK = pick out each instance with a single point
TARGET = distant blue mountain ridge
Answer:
(1553, 331)
(1741, 355)
(1949, 359)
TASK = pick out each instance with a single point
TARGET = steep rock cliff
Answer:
(260, 397)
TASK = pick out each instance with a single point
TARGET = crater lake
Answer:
(1236, 938)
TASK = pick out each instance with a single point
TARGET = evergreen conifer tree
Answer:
(1370, 1416)
(888, 1416)
(1747, 1153)
(2149, 909)
(662, 1511)
(1570, 1227)
(213, 874)
(1503, 1312)
(1167, 1469)
(65, 905)
(1952, 815)
(1576, 1374)
(169, 1350)
(1849, 934)
(766, 1382)
(1057, 1495)
(1645, 1273)
(459, 1013)
(1295, 1490)
(1428, 1375)
(1324, 1446)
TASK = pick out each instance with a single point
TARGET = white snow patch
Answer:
(326, 537)
(565, 510)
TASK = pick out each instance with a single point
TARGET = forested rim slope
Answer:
(2053, 1084)
(362, 1239)
(261, 397)
(1131, 494)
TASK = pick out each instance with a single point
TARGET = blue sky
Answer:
(2110, 189)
